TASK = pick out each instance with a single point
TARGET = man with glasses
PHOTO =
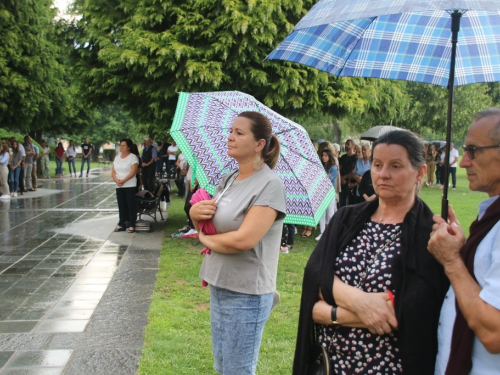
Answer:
(469, 327)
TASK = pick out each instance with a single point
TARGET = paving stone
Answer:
(24, 341)
(58, 326)
(17, 326)
(96, 340)
(41, 358)
(34, 371)
(113, 362)
(5, 356)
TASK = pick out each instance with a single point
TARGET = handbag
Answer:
(320, 364)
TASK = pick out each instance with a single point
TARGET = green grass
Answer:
(177, 339)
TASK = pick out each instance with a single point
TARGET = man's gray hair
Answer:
(491, 112)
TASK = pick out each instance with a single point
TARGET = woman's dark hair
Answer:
(59, 144)
(128, 141)
(15, 149)
(261, 129)
(413, 145)
(134, 149)
(331, 161)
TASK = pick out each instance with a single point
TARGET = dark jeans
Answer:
(71, 162)
(453, 172)
(87, 159)
(148, 177)
(439, 174)
(127, 206)
(344, 194)
(291, 234)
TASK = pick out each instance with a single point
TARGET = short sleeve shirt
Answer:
(487, 272)
(85, 148)
(123, 168)
(253, 271)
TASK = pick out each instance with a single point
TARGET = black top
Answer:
(418, 279)
(147, 154)
(86, 147)
(347, 164)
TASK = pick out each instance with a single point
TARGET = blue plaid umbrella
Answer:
(401, 39)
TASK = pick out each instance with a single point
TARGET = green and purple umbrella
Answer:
(201, 126)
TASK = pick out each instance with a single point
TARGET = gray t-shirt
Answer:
(29, 158)
(252, 271)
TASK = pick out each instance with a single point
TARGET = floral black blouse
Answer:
(356, 350)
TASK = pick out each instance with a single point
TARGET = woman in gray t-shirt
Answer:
(248, 212)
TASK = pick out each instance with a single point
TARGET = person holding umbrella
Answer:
(469, 325)
(372, 293)
(247, 212)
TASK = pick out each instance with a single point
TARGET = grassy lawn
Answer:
(178, 334)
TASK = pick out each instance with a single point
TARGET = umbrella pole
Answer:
(455, 28)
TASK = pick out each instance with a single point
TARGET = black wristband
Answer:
(334, 315)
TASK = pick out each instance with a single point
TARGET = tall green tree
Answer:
(429, 108)
(35, 89)
(141, 53)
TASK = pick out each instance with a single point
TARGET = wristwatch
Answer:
(334, 315)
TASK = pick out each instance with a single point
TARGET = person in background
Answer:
(86, 155)
(148, 160)
(15, 167)
(371, 292)
(124, 175)
(36, 157)
(59, 160)
(71, 156)
(347, 162)
(163, 155)
(439, 167)
(135, 150)
(21, 172)
(28, 163)
(430, 158)
(158, 164)
(171, 151)
(453, 165)
(330, 164)
(362, 165)
(242, 266)
(4, 170)
(469, 325)
(44, 159)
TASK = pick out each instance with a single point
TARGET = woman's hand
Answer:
(376, 312)
(203, 210)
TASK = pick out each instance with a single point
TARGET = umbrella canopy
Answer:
(401, 39)
(373, 133)
(201, 126)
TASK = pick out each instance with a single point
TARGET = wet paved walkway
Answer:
(74, 295)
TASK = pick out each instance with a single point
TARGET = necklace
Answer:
(381, 220)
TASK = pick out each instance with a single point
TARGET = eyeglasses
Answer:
(470, 150)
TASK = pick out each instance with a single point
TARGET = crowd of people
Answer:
(390, 288)
(18, 167)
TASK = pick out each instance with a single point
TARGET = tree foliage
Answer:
(35, 89)
(141, 53)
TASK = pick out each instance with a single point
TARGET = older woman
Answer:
(371, 253)
(123, 172)
(248, 214)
